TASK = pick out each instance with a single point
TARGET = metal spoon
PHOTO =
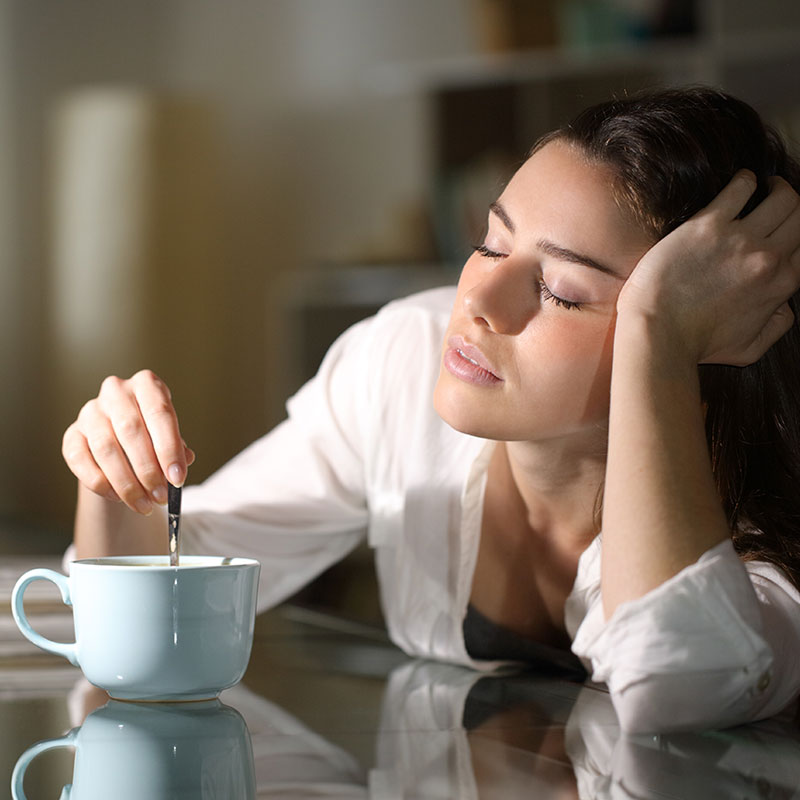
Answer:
(174, 513)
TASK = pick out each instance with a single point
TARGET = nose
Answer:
(504, 299)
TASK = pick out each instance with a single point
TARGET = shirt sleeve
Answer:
(294, 499)
(716, 645)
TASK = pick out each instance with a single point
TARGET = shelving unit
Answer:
(486, 110)
(545, 87)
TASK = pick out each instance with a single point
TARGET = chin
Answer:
(461, 416)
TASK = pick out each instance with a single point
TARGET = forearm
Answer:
(661, 510)
(104, 528)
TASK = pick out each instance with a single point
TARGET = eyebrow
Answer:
(553, 249)
(502, 214)
(565, 254)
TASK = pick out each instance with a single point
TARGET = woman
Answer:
(616, 260)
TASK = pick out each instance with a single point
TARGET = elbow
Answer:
(687, 702)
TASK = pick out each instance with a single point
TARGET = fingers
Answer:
(126, 442)
(129, 476)
(733, 198)
(786, 236)
(774, 211)
(159, 419)
(770, 233)
(777, 221)
(777, 212)
(77, 454)
(121, 444)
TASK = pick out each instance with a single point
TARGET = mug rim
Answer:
(188, 562)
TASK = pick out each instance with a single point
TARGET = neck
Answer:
(557, 488)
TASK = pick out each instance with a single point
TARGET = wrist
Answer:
(104, 528)
(651, 335)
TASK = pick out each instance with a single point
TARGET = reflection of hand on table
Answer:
(83, 699)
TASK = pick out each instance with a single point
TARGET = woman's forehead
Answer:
(560, 182)
(562, 195)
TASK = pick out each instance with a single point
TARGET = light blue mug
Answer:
(147, 631)
(200, 750)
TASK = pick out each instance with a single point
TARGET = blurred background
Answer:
(215, 188)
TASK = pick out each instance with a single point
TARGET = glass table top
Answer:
(330, 709)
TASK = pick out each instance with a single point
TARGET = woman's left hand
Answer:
(717, 287)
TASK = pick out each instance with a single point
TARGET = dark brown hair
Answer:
(672, 151)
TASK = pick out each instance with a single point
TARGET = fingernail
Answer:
(144, 506)
(160, 495)
(175, 474)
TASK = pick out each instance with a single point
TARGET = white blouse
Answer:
(364, 454)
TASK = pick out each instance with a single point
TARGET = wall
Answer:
(10, 351)
(314, 166)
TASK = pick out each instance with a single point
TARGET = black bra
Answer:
(486, 640)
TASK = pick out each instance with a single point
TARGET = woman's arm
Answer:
(661, 511)
(713, 291)
(679, 633)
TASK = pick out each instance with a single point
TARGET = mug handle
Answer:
(18, 776)
(65, 649)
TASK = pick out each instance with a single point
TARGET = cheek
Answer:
(573, 344)
(574, 358)
(598, 398)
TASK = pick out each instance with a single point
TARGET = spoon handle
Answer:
(174, 512)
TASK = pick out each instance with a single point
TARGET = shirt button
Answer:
(763, 681)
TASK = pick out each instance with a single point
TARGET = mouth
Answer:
(467, 362)
(464, 355)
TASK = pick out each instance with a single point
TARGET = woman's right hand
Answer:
(126, 444)
(718, 286)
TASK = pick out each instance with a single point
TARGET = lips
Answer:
(468, 363)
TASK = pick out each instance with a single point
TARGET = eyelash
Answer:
(544, 290)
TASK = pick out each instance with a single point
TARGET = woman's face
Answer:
(527, 353)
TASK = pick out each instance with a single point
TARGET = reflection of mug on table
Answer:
(148, 631)
(165, 750)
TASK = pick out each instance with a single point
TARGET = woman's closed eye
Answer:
(554, 298)
(544, 289)
(483, 250)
